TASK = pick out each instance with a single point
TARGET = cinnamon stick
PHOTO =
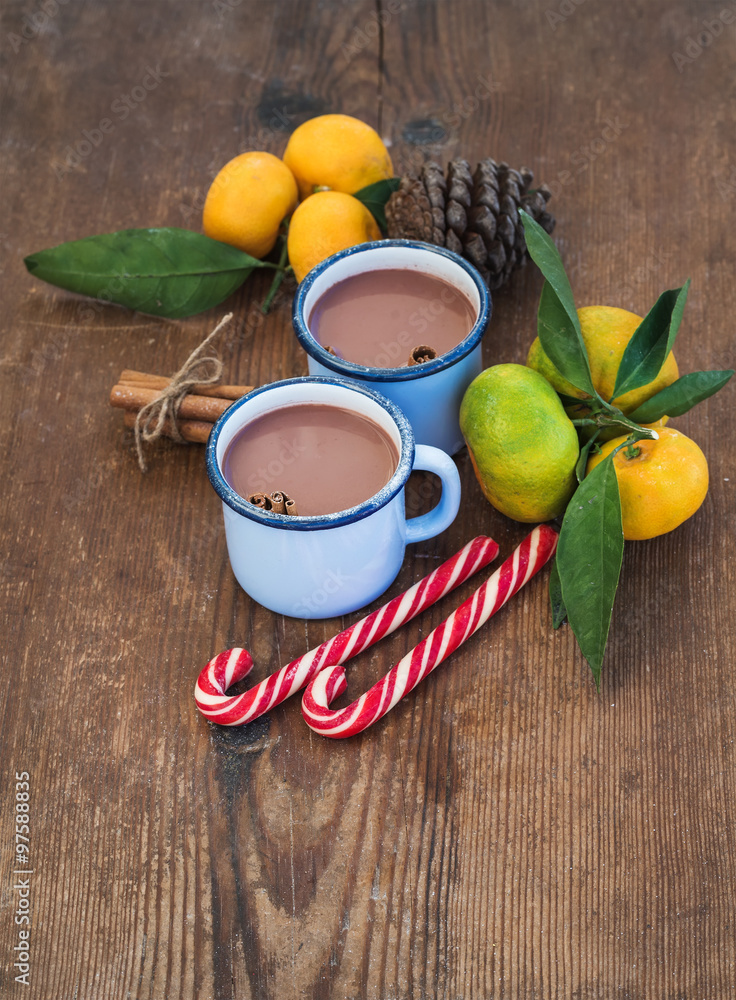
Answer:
(276, 502)
(262, 500)
(196, 431)
(143, 380)
(193, 407)
(422, 354)
(281, 503)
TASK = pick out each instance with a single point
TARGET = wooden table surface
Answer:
(505, 832)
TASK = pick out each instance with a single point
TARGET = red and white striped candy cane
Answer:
(536, 549)
(234, 664)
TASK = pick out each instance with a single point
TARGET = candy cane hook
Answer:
(233, 664)
(536, 549)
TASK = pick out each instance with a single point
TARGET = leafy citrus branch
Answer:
(585, 576)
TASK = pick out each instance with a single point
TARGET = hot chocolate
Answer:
(377, 317)
(325, 457)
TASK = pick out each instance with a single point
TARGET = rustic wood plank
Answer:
(505, 832)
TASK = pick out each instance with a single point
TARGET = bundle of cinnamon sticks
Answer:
(199, 409)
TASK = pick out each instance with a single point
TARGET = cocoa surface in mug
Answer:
(326, 458)
(377, 317)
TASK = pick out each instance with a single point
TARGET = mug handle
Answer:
(430, 459)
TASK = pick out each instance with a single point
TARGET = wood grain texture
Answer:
(505, 832)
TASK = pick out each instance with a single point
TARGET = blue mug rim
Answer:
(365, 372)
(319, 521)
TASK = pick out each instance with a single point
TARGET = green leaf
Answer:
(559, 614)
(375, 196)
(573, 401)
(562, 343)
(547, 258)
(681, 396)
(164, 272)
(652, 341)
(583, 457)
(589, 556)
(558, 326)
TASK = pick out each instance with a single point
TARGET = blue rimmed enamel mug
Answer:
(429, 394)
(321, 567)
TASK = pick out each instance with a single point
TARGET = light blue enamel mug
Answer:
(332, 564)
(429, 394)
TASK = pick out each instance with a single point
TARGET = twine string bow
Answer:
(198, 369)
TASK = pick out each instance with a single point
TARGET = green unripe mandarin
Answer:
(522, 444)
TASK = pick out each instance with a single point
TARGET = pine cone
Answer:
(476, 215)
